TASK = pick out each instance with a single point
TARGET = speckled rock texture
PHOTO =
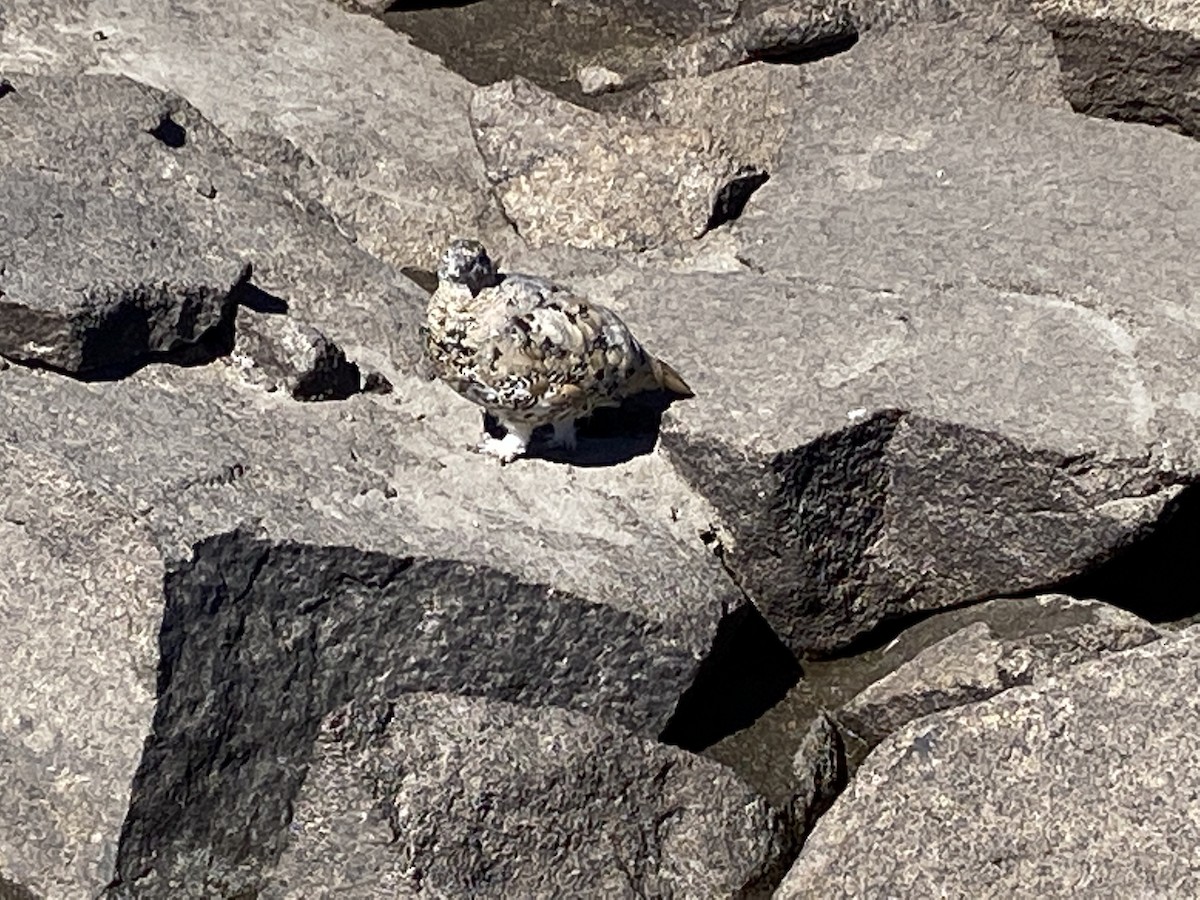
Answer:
(1081, 784)
(390, 158)
(942, 332)
(975, 662)
(539, 150)
(456, 796)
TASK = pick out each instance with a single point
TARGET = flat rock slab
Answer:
(459, 796)
(391, 158)
(166, 200)
(1082, 784)
(313, 549)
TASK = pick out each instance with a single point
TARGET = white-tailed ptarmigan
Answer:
(531, 352)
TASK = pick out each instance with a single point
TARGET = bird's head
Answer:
(466, 262)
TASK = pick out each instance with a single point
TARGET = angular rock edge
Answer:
(807, 525)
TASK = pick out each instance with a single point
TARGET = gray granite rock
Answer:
(91, 282)
(275, 351)
(81, 599)
(456, 796)
(1081, 784)
(876, 453)
(975, 663)
(315, 549)
(391, 158)
(568, 175)
(889, 383)
(153, 169)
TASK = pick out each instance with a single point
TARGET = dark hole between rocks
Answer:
(1157, 576)
(169, 132)
(6, 88)
(806, 53)
(746, 673)
(732, 199)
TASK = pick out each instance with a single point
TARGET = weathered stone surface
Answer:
(1137, 60)
(750, 107)
(820, 769)
(889, 400)
(460, 796)
(151, 167)
(80, 295)
(80, 596)
(1082, 784)
(315, 549)
(391, 158)
(275, 351)
(881, 452)
(568, 175)
(976, 663)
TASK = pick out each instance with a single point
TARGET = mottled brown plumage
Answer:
(531, 352)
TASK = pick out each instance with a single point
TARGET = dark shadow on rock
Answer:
(212, 344)
(255, 298)
(1156, 576)
(10, 890)
(607, 437)
(1129, 72)
(732, 198)
(746, 673)
(784, 54)
(6, 88)
(402, 6)
(169, 132)
(425, 279)
(261, 640)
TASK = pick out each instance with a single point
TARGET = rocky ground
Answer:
(899, 605)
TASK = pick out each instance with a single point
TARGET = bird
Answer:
(531, 352)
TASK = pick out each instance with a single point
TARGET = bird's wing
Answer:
(540, 345)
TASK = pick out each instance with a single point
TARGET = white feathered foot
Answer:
(509, 447)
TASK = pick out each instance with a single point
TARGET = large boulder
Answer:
(568, 175)
(143, 210)
(315, 549)
(889, 423)
(1084, 783)
(462, 796)
(390, 157)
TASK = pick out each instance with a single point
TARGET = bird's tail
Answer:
(669, 380)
